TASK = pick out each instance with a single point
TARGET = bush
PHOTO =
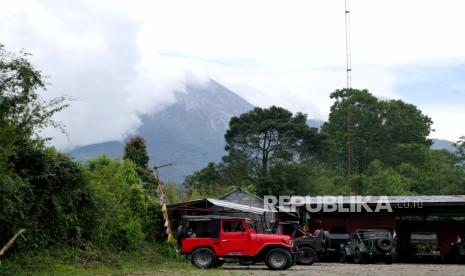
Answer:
(153, 221)
(49, 196)
(126, 213)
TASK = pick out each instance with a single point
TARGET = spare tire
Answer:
(384, 244)
(326, 239)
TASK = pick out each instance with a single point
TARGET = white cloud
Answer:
(447, 120)
(120, 58)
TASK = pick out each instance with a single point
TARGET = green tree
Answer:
(305, 178)
(460, 150)
(440, 174)
(383, 180)
(23, 113)
(205, 181)
(125, 212)
(48, 195)
(236, 170)
(378, 128)
(269, 135)
(136, 151)
(171, 193)
(40, 189)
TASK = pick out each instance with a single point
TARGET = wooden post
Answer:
(11, 241)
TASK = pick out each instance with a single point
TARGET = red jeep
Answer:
(212, 239)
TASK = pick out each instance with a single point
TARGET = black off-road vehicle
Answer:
(310, 247)
(368, 245)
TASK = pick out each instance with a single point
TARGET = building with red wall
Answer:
(444, 215)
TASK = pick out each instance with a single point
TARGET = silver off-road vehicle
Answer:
(368, 245)
(424, 246)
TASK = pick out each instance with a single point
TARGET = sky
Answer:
(121, 59)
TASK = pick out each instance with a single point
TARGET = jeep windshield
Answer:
(423, 237)
(373, 234)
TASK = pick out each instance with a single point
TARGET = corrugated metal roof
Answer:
(434, 199)
(239, 207)
(207, 202)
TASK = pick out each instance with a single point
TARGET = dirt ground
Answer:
(352, 269)
(323, 269)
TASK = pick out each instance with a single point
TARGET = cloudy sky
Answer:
(121, 59)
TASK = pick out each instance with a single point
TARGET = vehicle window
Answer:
(288, 229)
(337, 236)
(233, 226)
(199, 229)
(251, 226)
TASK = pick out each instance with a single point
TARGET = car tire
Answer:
(204, 258)
(458, 259)
(388, 259)
(342, 257)
(278, 259)
(307, 256)
(358, 257)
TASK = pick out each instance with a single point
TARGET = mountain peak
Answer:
(188, 133)
(211, 95)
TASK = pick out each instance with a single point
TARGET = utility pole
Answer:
(349, 86)
(156, 168)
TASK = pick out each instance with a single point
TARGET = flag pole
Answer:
(162, 201)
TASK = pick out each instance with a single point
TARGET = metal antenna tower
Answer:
(348, 52)
(349, 86)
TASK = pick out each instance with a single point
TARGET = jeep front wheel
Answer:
(342, 256)
(278, 259)
(306, 256)
(204, 258)
(358, 257)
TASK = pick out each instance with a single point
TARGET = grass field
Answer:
(150, 259)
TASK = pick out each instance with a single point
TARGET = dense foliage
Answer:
(270, 135)
(100, 204)
(272, 151)
(381, 130)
